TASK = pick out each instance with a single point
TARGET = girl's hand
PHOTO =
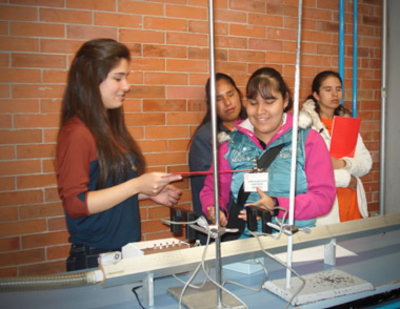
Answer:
(168, 196)
(265, 201)
(211, 216)
(338, 163)
(353, 183)
(151, 184)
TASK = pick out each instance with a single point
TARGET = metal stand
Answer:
(148, 290)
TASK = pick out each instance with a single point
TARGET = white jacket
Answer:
(358, 166)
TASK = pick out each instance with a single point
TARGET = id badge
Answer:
(252, 181)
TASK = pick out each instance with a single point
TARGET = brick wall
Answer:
(170, 64)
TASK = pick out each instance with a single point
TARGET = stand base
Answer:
(319, 286)
(204, 298)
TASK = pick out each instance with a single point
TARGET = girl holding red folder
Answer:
(322, 106)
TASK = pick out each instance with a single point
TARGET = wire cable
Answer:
(137, 296)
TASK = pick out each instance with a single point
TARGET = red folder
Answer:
(345, 132)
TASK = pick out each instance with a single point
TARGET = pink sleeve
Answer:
(321, 192)
(207, 193)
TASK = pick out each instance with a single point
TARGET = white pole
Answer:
(294, 143)
(214, 130)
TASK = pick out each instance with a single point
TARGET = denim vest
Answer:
(242, 152)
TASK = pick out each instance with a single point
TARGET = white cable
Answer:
(284, 265)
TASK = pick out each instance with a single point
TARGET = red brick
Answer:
(36, 121)
(187, 39)
(264, 44)
(144, 36)
(185, 12)
(35, 151)
(50, 135)
(10, 12)
(203, 27)
(266, 20)
(7, 183)
(19, 76)
(9, 244)
(140, 7)
(183, 118)
(44, 240)
(165, 79)
(19, 167)
(273, 57)
(50, 106)
(141, 64)
(151, 146)
(117, 20)
(147, 92)
(20, 136)
(8, 272)
(162, 132)
(22, 227)
(57, 224)
(38, 61)
(41, 211)
(97, 5)
(36, 181)
(282, 34)
(19, 106)
(231, 67)
(145, 119)
(164, 51)
(230, 42)
(170, 24)
(52, 3)
(153, 226)
(204, 54)
(3, 28)
(4, 59)
(19, 44)
(65, 16)
(4, 91)
(247, 56)
(185, 92)
(43, 269)
(163, 105)
(59, 46)
(58, 252)
(230, 16)
(37, 91)
(90, 32)
(51, 194)
(132, 106)
(158, 212)
(5, 122)
(247, 31)
(249, 5)
(37, 29)
(8, 214)
(178, 145)
(21, 257)
(187, 65)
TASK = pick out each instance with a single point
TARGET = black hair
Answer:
(315, 87)
(263, 81)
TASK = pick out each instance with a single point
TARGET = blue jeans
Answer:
(83, 257)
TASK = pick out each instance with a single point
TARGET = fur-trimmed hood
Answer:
(306, 120)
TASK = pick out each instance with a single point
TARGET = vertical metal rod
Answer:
(294, 141)
(383, 111)
(355, 55)
(341, 43)
(215, 148)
